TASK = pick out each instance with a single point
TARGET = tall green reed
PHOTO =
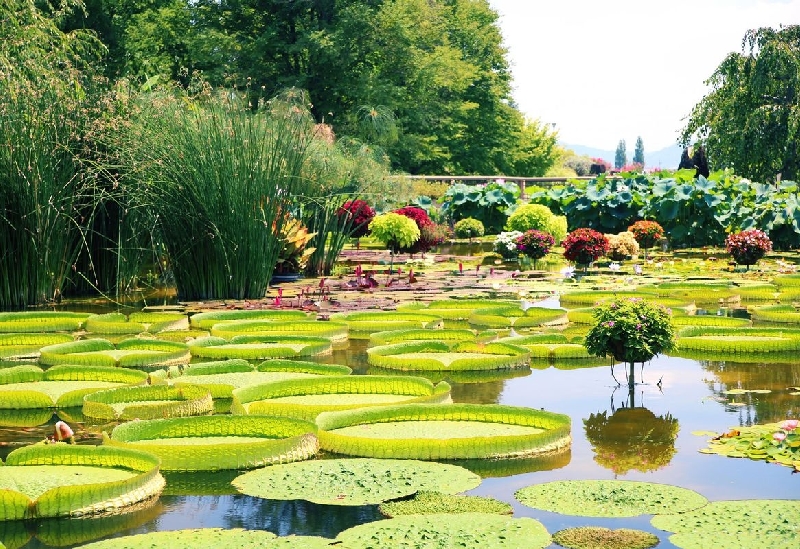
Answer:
(218, 176)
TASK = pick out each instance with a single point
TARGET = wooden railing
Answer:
(478, 179)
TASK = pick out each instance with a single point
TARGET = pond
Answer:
(672, 395)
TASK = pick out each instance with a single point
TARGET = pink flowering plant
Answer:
(630, 330)
(535, 244)
(584, 246)
(747, 247)
(646, 233)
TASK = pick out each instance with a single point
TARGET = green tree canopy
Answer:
(638, 152)
(750, 120)
(620, 156)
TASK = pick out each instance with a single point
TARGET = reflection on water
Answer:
(648, 438)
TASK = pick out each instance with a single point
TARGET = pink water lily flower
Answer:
(789, 424)
(779, 436)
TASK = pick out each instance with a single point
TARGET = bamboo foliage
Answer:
(265, 399)
(554, 435)
(86, 499)
(280, 440)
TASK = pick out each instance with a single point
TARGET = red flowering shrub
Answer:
(430, 234)
(583, 246)
(535, 244)
(361, 212)
(646, 233)
(747, 247)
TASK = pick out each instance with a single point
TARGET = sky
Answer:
(607, 70)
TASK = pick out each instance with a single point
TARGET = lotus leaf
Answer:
(609, 498)
(210, 537)
(429, 503)
(211, 443)
(735, 525)
(51, 480)
(260, 347)
(354, 481)
(595, 537)
(543, 431)
(483, 530)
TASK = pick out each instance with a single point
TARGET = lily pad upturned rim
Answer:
(354, 481)
(260, 347)
(492, 356)
(483, 530)
(554, 437)
(178, 401)
(596, 498)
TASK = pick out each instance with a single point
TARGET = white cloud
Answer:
(605, 70)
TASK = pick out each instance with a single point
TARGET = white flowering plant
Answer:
(506, 244)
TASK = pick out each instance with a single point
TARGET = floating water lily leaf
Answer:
(595, 537)
(482, 530)
(430, 503)
(609, 498)
(208, 537)
(735, 524)
(354, 481)
(759, 442)
(704, 433)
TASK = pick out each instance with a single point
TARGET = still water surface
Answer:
(690, 393)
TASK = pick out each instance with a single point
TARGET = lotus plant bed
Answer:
(260, 347)
(41, 321)
(222, 377)
(147, 402)
(207, 320)
(24, 345)
(440, 432)
(129, 353)
(218, 442)
(517, 318)
(448, 356)
(119, 324)
(337, 332)
(57, 480)
(307, 398)
(30, 387)
(363, 324)
(354, 481)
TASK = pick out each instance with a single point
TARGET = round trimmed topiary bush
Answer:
(468, 227)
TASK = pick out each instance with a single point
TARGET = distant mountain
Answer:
(668, 157)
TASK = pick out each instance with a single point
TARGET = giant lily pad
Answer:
(335, 331)
(436, 431)
(447, 356)
(516, 317)
(118, 323)
(735, 525)
(362, 324)
(51, 480)
(211, 537)
(260, 347)
(148, 402)
(354, 481)
(211, 443)
(483, 530)
(41, 321)
(609, 498)
(28, 344)
(594, 537)
(307, 398)
(208, 320)
(132, 353)
(430, 503)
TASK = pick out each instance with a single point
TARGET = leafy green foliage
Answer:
(609, 498)
(539, 217)
(638, 152)
(354, 481)
(487, 203)
(468, 228)
(620, 155)
(448, 530)
(630, 330)
(749, 118)
(395, 231)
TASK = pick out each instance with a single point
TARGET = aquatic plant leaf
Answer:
(354, 481)
(735, 524)
(595, 537)
(483, 530)
(202, 537)
(758, 442)
(429, 503)
(608, 498)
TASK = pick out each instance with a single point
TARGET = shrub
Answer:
(646, 233)
(630, 330)
(362, 214)
(430, 234)
(535, 244)
(584, 246)
(396, 231)
(506, 244)
(622, 245)
(468, 228)
(747, 247)
(539, 217)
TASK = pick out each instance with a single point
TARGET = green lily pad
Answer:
(609, 498)
(210, 537)
(482, 530)
(430, 503)
(354, 481)
(758, 442)
(735, 524)
(595, 537)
